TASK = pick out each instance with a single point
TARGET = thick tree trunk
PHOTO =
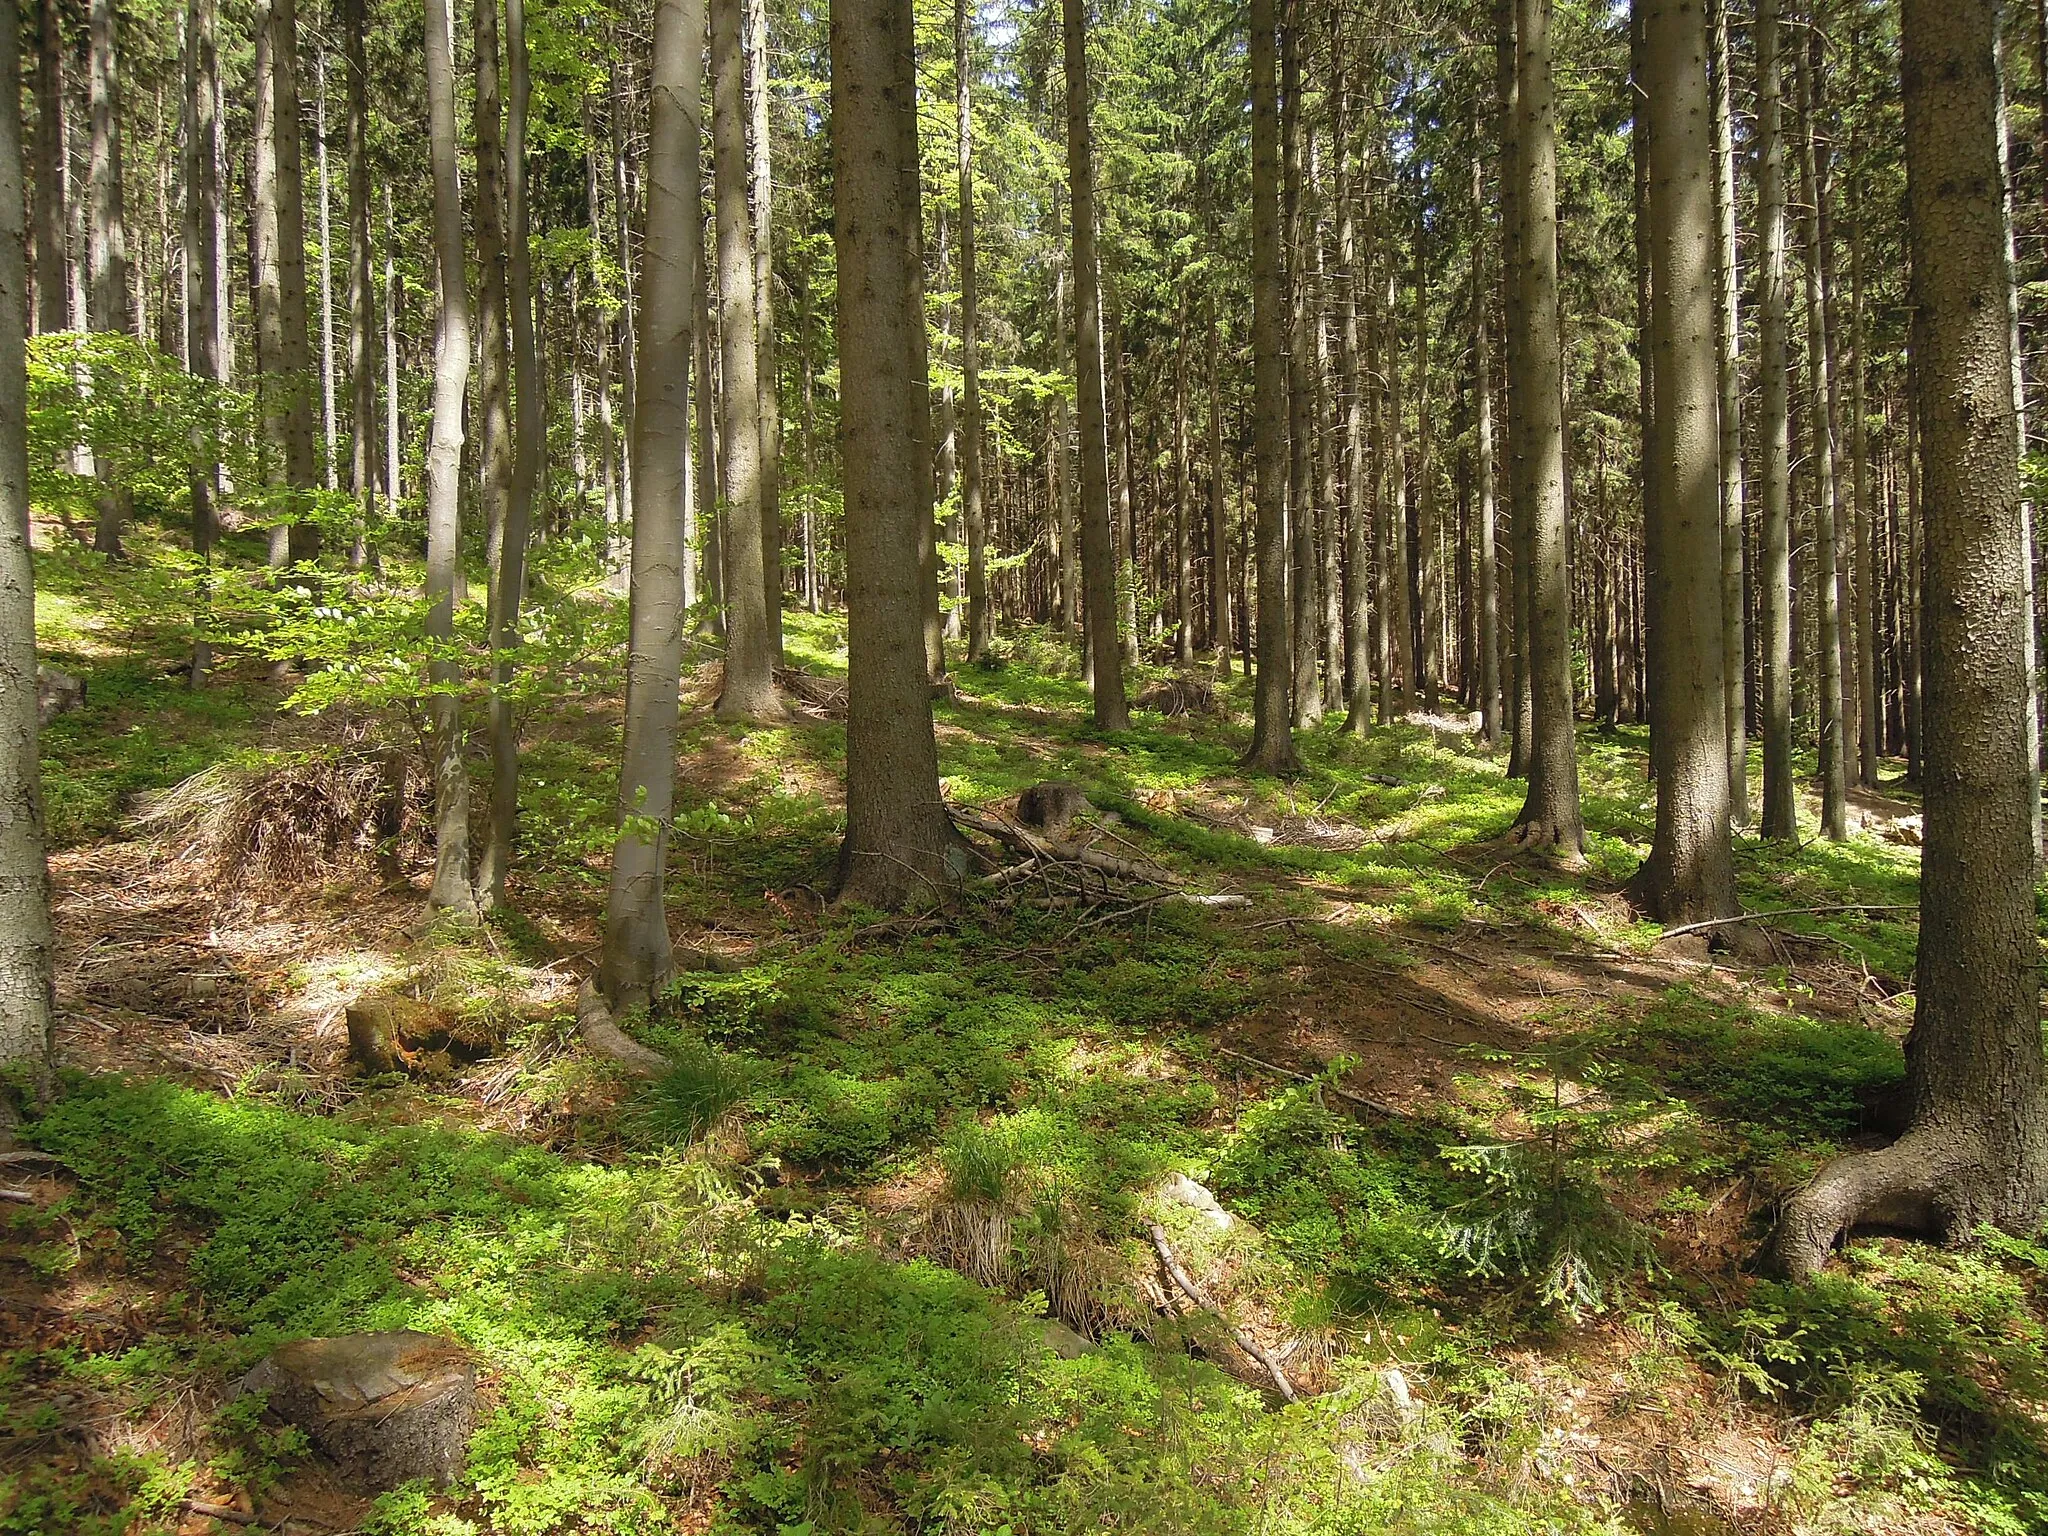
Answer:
(1728, 353)
(900, 847)
(1689, 875)
(283, 345)
(749, 692)
(1550, 816)
(1976, 1149)
(451, 886)
(1098, 558)
(1272, 749)
(26, 945)
(980, 619)
(107, 232)
(1774, 439)
(638, 957)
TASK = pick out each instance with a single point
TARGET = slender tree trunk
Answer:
(1301, 506)
(1272, 749)
(980, 621)
(52, 172)
(629, 337)
(1219, 517)
(26, 945)
(1728, 353)
(1976, 1149)
(393, 298)
(1482, 388)
(761, 199)
(1780, 805)
(1183, 511)
(107, 231)
(749, 692)
(494, 421)
(1507, 89)
(1689, 875)
(638, 957)
(362, 319)
(900, 847)
(1550, 815)
(1428, 563)
(330, 436)
(451, 886)
(1833, 765)
(1864, 526)
(1357, 490)
(202, 282)
(1098, 559)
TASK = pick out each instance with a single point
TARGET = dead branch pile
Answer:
(1292, 831)
(290, 820)
(821, 698)
(1059, 875)
(1176, 696)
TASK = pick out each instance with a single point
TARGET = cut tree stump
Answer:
(386, 1408)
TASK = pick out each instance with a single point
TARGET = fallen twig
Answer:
(18, 1196)
(226, 1512)
(1275, 1068)
(1765, 917)
(1207, 1303)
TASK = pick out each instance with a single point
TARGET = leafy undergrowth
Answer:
(812, 1279)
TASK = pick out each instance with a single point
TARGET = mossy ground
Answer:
(714, 1302)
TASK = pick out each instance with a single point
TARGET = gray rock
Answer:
(57, 693)
(386, 1408)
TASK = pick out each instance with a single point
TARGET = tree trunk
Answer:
(1689, 875)
(1428, 560)
(1301, 505)
(202, 283)
(1482, 431)
(451, 886)
(1272, 749)
(1550, 816)
(107, 235)
(52, 172)
(638, 958)
(26, 945)
(761, 198)
(1728, 353)
(393, 298)
(1834, 811)
(900, 847)
(749, 692)
(1183, 510)
(1780, 805)
(1357, 490)
(1098, 558)
(1976, 1149)
(284, 348)
(362, 319)
(1219, 522)
(330, 437)
(1864, 524)
(494, 445)
(980, 621)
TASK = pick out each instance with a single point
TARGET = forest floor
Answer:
(1490, 1157)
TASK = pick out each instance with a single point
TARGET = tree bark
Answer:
(1774, 438)
(1482, 431)
(451, 886)
(52, 173)
(1689, 875)
(1357, 490)
(900, 847)
(1300, 437)
(749, 692)
(1550, 815)
(1976, 1148)
(980, 621)
(1098, 558)
(202, 284)
(1728, 353)
(362, 317)
(638, 957)
(330, 436)
(283, 343)
(26, 944)
(1219, 519)
(1272, 749)
(107, 232)
(761, 199)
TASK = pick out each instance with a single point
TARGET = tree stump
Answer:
(386, 1408)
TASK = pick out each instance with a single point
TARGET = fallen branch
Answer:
(1765, 917)
(1303, 1077)
(226, 1512)
(18, 1196)
(1207, 1303)
(594, 1022)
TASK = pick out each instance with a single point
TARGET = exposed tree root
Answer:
(1920, 1184)
(594, 1022)
(1566, 845)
